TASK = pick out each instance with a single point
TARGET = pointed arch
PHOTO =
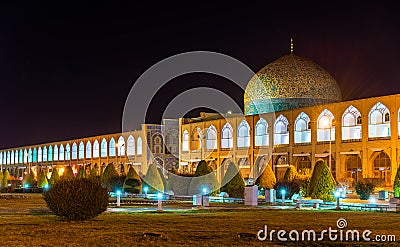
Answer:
(379, 121)
(45, 154)
(40, 155)
(261, 133)
(50, 154)
(185, 141)
(88, 150)
(139, 146)
(55, 157)
(96, 149)
(30, 155)
(111, 151)
(81, 153)
(227, 136)
(103, 148)
(243, 134)
(61, 153)
(281, 131)
(21, 156)
(121, 146)
(67, 152)
(74, 151)
(12, 157)
(131, 146)
(211, 138)
(25, 156)
(35, 156)
(351, 124)
(302, 132)
(325, 126)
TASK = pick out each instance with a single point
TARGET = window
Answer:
(25, 157)
(211, 138)
(281, 132)
(302, 132)
(96, 149)
(50, 156)
(81, 153)
(74, 151)
(55, 153)
(89, 150)
(243, 135)
(35, 155)
(185, 141)
(67, 152)
(227, 136)
(103, 150)
(61, 153)
(325, 126)
(139, 146)
(45, 154)
(112, 148)
(131, 146)
(261, 135)
(351, 124)
(121, 146)
(195, 143)
(40, 154)
(378, 118)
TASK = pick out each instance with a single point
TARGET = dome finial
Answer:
(291, 46)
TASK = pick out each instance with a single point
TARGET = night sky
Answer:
(66, 69)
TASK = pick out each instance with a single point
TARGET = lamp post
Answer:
(337, 195)
(159, 203)
(145, 192)
(27, 160)
(118, 199)
(283, 192)
(202, 196)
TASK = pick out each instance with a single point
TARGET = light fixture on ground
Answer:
(202, 196)
(283, 192)
(118, 198)
(145, 191)
(372, 200)
(159, 204)
(337, 195)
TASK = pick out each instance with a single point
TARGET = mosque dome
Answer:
(290, 82)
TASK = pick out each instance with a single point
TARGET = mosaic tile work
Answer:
(290, 82)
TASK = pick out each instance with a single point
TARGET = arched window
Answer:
(21, 157)
(281, 132)
(81, 153)
(156, 143)
(50, 156)
(325, 126)
(211, 138)
(45, 154)
(243, 135)
(227, 136)
(74, 151)
(303, 165)
(67, 152)
(1, 158)
(55, 153)
(378, 121)
(353, 167)
(25, 157)
(35, 158)
(30, 155)
(121, 146)
(185, 141)
(112, 148)
(103, 150)
(195, 143)
(96, 149)
(88, 150)
(139, 146)
(40, 154)
(16, 157)
(131, 146)
(382, 167)
(302, 132)
(351, 124)
(261, 133)
(12, 157)
(8, 157)
(62, 153)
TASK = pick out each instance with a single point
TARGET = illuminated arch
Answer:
(302, 130)
(325, 126)
(243, 134)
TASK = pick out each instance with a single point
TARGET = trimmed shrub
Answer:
(5, 179)
(396, 185)
(290, 188)
(290, 174)
(233, 182)
(364, 189)
(267, 178)
(54, 177)
(204, 177)
(160, 170)
(303, 182)
(110, 178)
(1, 179)
(81, 172)
(132, 183)
(30, 180)
(77, 199)
(42, 180)
(322, 184)
(68, 173)
(153, 180)
(94, 172)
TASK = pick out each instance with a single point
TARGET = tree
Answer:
(55, 177)
(233, 182)
(81, 173)
(5, 179)
(160, 170)
(153, 180)
(364, 189)
(290, 174)
(204, 178)
(30, 180)
(322, 184)
(110, 178)
(267, 179)
(132, 183)
(94, 172)
(68, 173)
(1, 179)
(42, 180)
(396, 185)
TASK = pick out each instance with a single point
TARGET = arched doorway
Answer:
(382, 168)
(303, 165)
(280, 164)
(353, 168)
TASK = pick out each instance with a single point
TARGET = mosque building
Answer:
(298, 119)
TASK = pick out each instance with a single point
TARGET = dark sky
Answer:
(66, 69)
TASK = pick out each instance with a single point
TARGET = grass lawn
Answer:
(27, 222)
